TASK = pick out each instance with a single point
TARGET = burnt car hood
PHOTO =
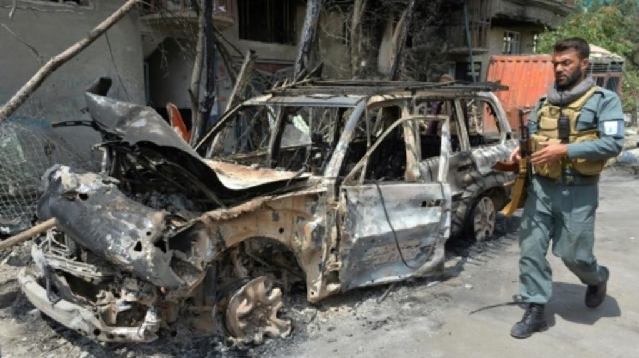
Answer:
(91, 210)
(153, 243)
(146, 131)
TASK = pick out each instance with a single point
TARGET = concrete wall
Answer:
(50, 29)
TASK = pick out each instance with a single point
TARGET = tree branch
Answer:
(306, 53)
(53, 64)
(208, 99)
(243, 79)
(33, 49)
(404, 27)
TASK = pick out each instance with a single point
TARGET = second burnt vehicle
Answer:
(331, 185)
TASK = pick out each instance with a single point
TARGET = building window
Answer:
(511, 43)
(267, 20)
(536, 38)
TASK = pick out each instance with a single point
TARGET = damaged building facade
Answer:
(498, 27)
(150, 53)
(41, 29)
(169, 32)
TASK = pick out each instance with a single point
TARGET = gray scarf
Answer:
(562, 98)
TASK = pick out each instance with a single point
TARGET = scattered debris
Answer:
(388, 290)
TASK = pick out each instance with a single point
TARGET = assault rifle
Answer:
(518, 197)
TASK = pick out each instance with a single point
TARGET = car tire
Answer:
(481, 225)
(482, 186)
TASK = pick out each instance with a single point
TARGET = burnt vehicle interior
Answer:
(301, 138)
(291, 138)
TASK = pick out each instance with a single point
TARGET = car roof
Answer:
(349, 93)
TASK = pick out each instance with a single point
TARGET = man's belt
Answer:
(572, 179)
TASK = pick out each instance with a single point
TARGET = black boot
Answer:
(533, 321)
(595, 294)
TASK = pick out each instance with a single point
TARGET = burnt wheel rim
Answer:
(252, 312)
(484, 219)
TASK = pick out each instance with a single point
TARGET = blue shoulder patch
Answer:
(612, 128)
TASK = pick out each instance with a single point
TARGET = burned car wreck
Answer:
(331, 185)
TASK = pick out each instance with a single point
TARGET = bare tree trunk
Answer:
(404, 27)
(306, 57)
(209, 97)
(21, 96)
(356, 37)
(243, 79)
(196, 75)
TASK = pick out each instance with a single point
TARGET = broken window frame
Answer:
(219, 133)
(396, 236)
(456, 118)
(316, 112)
(409, 124)
(503, 127)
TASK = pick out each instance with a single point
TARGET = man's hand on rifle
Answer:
(551, 152)
(514, 155)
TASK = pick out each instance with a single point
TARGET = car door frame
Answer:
(370, 257)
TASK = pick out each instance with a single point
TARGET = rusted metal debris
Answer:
(327, 191)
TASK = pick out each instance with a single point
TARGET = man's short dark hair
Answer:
(576, 43)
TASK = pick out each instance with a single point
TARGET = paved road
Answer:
(421, 318)
(434, 321)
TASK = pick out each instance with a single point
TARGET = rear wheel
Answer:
(483, 218)
(490, 187)
(252, 312)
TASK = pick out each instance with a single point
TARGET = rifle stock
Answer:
(518, 197)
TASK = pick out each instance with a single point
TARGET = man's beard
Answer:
(572, 80)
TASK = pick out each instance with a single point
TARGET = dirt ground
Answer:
(420, 318)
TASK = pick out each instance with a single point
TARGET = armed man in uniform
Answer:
(574, 129)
